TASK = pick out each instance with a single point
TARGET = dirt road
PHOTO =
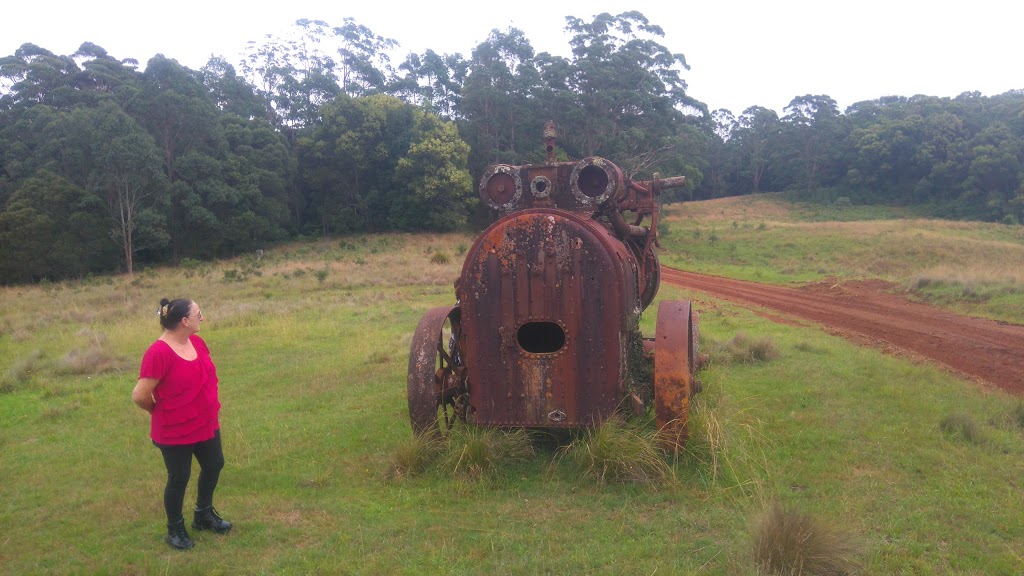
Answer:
(864, 312)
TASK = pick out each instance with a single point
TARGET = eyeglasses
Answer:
(198, 314)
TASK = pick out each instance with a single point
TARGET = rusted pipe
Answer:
(673, 182)
(624, 229)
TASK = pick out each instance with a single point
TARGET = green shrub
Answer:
(440, 258)
(192, 267)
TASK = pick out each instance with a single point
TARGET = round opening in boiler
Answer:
(593, 181)
(541, 337)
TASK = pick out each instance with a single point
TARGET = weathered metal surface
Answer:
(673, 370)
(550, 296)
(548, 300)
(437, 375)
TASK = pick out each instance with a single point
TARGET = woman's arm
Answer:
(143, 394)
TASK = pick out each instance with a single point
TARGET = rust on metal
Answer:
(546, 329)
(673, 371)
(437, 374)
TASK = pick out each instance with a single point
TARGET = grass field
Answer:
(920, 471)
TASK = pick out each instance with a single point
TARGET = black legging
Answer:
(178, 459)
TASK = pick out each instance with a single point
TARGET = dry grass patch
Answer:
(20, 372)
(94, 357)
(788, 542)
(755, 207)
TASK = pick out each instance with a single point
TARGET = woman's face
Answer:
(194, 319)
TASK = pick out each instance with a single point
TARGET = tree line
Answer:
(104, 166)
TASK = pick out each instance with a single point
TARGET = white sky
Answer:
(741, 52)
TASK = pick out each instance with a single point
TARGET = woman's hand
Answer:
(143, 394)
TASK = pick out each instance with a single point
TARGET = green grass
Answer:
(313, 380)
(968, 267)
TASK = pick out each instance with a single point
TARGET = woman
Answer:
(178, 387)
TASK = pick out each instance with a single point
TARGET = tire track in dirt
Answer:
(864, 312)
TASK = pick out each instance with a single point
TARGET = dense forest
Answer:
(104, 166)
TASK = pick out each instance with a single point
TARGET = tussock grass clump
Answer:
(440, 258)
(20, 372)
(414, 455)
(1017, 415)
(725, 446)
(475, 451)
(92, 358)
(55, 411)
(618, 452)
(788, 542)
(744, 349)
(379, 357)
(962, 425)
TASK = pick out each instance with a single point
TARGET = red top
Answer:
(186, 393)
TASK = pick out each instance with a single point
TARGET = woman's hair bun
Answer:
(164, 302)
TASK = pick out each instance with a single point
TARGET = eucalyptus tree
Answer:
(812, 132)
(502, 120)
(994, 178)
(130, 179)
(52, 228)
(294, 74)
(364, 63)
(720, 164)
(433, 81)
(627, 87)
(176, 109)
(103, 76)
(34, 75)
(756, 138)
(231, 93)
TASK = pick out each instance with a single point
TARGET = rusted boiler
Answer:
(545, 332)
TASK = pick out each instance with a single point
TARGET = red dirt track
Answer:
(864, 312)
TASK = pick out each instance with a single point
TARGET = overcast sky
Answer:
(741, 53)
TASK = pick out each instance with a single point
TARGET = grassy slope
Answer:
(970, 267)
(313, 387)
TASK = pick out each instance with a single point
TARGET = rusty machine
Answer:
(545, 332)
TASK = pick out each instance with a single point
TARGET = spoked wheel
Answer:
(674, 369)
(437, 372)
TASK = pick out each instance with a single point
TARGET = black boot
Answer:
(177, 537)
(208, 519)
